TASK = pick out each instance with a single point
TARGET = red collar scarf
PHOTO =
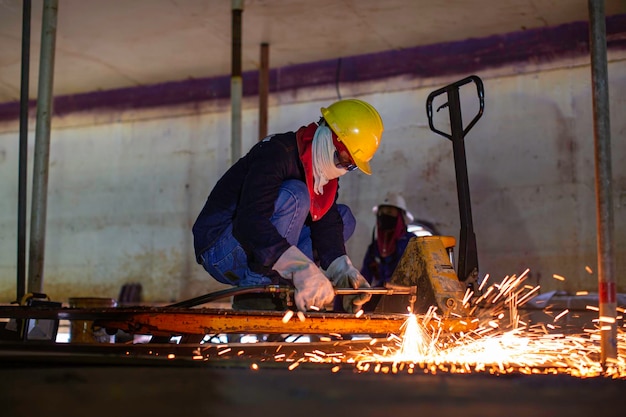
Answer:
(320, 204)
(388, 234)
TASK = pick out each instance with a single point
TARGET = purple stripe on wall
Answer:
(462, 57)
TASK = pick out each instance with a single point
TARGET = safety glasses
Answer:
(346, 164)
(342, 157)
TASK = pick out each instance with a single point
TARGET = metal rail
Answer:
(168, 321)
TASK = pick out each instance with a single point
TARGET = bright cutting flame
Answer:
(416, 342)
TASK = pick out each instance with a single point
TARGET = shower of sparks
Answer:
(500, 343)
(287, 316)
(497, 341)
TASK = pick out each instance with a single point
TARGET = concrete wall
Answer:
(125, 186)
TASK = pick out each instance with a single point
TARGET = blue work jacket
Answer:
(245, 196)
(378, 270)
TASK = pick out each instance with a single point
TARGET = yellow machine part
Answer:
(426, 264)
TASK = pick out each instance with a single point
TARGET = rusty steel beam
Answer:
(164, 321)
(221, 321)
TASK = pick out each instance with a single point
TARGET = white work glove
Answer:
(344, 275)
(312, 286)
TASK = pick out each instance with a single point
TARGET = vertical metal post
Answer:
(42, 146)
(23, 152)
(607, 291)
(236, 83)
(264, 88)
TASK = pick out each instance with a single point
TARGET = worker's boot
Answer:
(267, 302)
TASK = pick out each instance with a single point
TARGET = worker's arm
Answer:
(268, 165)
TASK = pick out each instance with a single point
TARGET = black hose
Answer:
(229, 292)
(280, 289)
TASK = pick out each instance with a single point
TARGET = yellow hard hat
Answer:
(357, 125)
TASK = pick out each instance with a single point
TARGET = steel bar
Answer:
(161, 324)
(23, 152)
(607, 290)
(57, 352)
(375, 290)
(166, 321)
(42, 146)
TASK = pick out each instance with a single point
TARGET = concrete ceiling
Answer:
(103, 45)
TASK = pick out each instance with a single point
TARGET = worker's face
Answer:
(388, 210)
(387, 218)
(387, 222)
(343, 158)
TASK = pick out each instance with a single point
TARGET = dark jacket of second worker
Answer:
(377, 269)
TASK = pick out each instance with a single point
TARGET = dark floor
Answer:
(85, 385)
(93, 380)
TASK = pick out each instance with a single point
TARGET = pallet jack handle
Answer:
(467, 268)
(454, 104)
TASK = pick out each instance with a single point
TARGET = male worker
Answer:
(276, 207)
(389, 241)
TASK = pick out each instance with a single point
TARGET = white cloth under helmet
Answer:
(323, 154)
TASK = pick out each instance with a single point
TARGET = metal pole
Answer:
(23, 153)
(607, 291)
(42, 146)
(236, 83)
(264, 88)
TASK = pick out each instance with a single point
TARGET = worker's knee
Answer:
(293, 196)
(293, 200)
(297, 188)
(291, 209)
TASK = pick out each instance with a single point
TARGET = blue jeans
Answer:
(226, 260)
